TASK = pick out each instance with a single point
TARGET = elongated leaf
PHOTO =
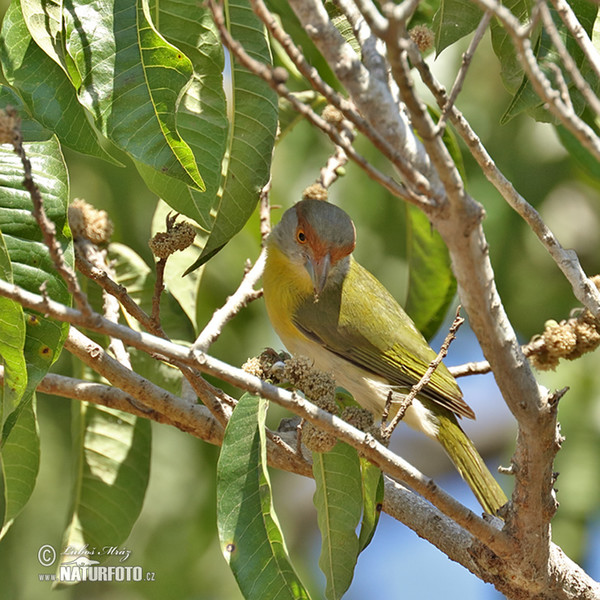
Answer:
(44, 21)
(253, 128)
(131, 81)
(338, 499)
(44, 86)
(202, 112)
(431, 285)
(372, 488)
(454, 20)
(111, 477)
(19, 463)
(249, 533)
(12, 342)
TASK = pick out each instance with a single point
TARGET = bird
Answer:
(325, 306)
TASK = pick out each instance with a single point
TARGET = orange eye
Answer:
(301, 236)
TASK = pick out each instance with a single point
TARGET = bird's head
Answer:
(317, 236)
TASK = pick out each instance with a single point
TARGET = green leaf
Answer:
(338, 499)
(19, 462)
(44, 87)
(431, 282)
(44, 21)
(12, 342)
(253, 127)
(454, 20)
(202, 111)
(111, 476)
(249, 533)
(372, 493)
(131, 82)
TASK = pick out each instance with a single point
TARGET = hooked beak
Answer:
(318, 269)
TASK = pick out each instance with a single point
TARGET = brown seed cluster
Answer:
(89, 223)
(423, 37)
(315, 192)
(177, 237)
(317, 386)
(568, 339)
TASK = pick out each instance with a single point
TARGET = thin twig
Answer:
(267, 74)
(568, 262)
(413, 176)
(47, 227)
(572, 23)
(408, 399)
(571, 67)
(238, 300)
(467, 58)
(541, 84)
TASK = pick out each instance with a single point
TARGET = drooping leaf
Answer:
(249, 533)
(372, 488)
(431, 282)
(253, 127)
(131, 82)
(44, 20)
(111, 476)
(202, 111)
(19, 463)
(338, 499)
(44, 86)
(454, 20)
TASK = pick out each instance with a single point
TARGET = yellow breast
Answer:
(285, 285)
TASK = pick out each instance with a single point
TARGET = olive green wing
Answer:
(360, 321)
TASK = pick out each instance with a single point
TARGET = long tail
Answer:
(469, 463)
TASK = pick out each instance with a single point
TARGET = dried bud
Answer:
(280, 75)
(315, 192)
(89, 223)
(423, 37)
(332, 115)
